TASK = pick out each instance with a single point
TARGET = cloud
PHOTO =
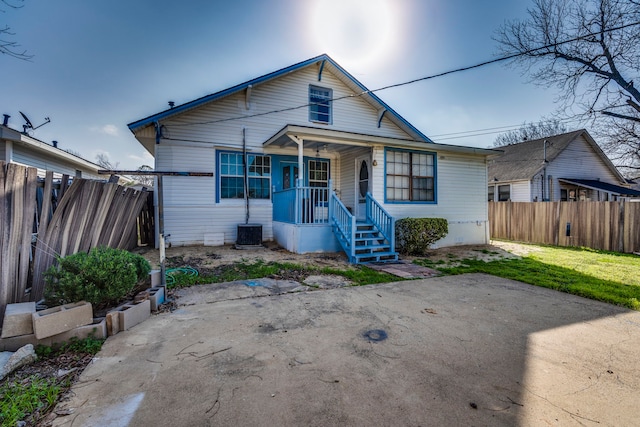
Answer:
(111, 130)
(144, 157)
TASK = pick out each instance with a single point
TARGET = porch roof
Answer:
(601, 186)
(288, 135)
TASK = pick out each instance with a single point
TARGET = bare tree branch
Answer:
(8, 46)
(594, 72)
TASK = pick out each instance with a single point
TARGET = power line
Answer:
(420, 79)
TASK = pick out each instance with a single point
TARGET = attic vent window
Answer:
(320, 104)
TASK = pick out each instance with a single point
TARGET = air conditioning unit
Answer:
(249, 235)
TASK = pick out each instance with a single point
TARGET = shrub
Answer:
(102, 277)
(415, 235)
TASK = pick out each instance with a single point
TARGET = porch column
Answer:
(300, 142)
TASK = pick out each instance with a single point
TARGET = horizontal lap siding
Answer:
(351, 114)
(579, 160)
(25, 157)
(187, 225)
(462, 199)
(520, 191)
(190, 204)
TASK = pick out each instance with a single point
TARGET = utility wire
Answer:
(420, 79)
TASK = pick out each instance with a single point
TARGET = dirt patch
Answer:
(207, 259)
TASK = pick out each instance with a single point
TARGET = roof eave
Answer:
(133, 126)
(344, 137)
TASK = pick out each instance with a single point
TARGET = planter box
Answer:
(97, 330)
(18, 319)
(132, 314)
(56, 320)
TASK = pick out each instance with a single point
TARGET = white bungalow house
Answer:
(316, 160)
(20, 148)
(565, 167)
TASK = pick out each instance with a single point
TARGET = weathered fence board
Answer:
(89, 209)
(65, 218)
(611, 226)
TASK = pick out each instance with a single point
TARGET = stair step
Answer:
(373, 248)
(376, 257)
(371, 233)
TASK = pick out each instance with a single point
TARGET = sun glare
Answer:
(358, 31)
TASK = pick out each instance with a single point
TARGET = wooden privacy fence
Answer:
(61, 221)
(611, 226)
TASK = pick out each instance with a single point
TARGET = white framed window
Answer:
(231, 176)
(318, 173)
(320, 104)
(491, 190)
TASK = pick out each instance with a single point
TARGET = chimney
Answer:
(5, 121)
(55, 144)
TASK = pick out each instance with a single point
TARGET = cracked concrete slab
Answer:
(458, 350)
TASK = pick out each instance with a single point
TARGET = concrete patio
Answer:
(458, 350)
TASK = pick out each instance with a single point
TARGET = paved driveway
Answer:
(463, 350)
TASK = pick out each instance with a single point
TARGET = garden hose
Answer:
(189, 271)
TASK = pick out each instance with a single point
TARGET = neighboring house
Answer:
(566, 167)
(323, 154)
(19, 148)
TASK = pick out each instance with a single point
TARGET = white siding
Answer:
(520, 191)
(348, 174)
(191, 140)
(23, 156)
(461, 198)
(580, 161)
(190, 204)
(350, 114)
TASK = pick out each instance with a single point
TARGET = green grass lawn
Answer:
(604, 276)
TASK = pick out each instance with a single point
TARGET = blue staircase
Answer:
(372, 240)
(371, 245)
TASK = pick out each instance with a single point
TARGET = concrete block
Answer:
(14, 343)
(54, 321)
(141, 296)
(134, 313)
(113, 322)
(97, 329)
(18, 319)
(156, 278)
(156, 296)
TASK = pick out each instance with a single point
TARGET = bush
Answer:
(102, 277)
(415, 235)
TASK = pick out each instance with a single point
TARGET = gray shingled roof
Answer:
(524, 160)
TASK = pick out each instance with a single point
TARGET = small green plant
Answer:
(414, 236)
(102, 277)
(89, 345)
(21, 398)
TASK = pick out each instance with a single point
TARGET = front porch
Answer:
(311, 219)
(323, 186)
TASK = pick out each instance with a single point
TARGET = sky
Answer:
(98, 66)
